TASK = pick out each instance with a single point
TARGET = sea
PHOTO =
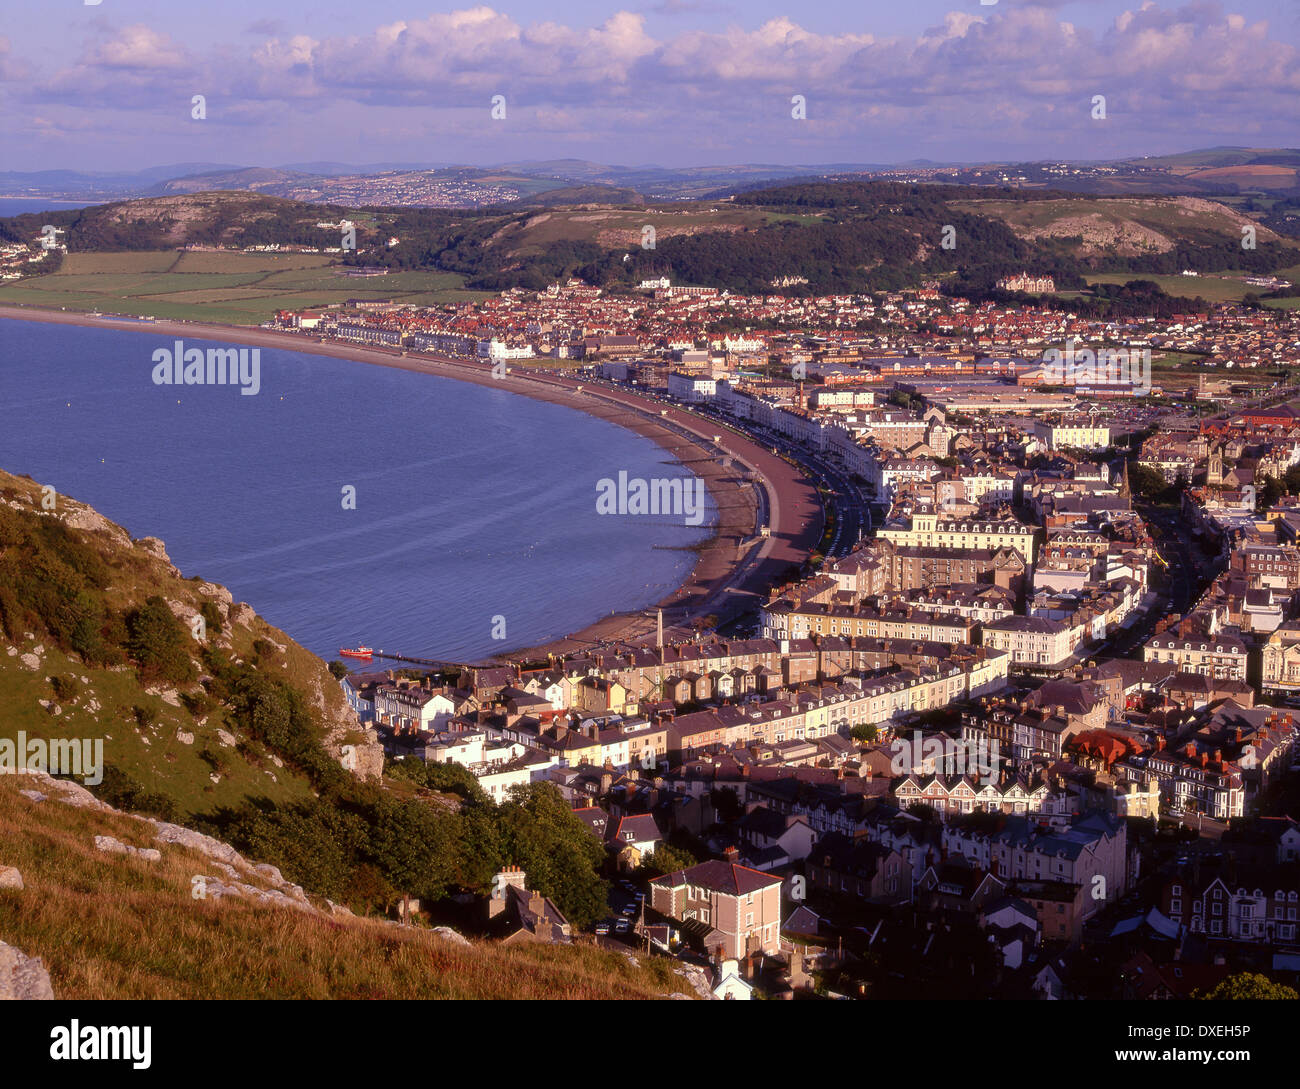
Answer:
(348, 503)
(17, 206)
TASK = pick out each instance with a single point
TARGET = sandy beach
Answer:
(733, 567)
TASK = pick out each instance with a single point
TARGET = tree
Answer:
(447, 778)
(314, 844)
(159, 643)
(1146, 482)
(211, 617)
(540, 834)
(338, 669)
(1250, 986)
(1270, 491)
(664, 859)
(414, 847)
(865, 731)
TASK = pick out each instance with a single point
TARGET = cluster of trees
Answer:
(363, 844)
(1249, 987)
(159, 644)
(1150, 484)
(1271, 489)
(870, 194)
(1131, 299)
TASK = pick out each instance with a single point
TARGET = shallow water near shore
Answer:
(474, 508)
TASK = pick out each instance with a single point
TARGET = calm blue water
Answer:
(470, 502)
(17, 206)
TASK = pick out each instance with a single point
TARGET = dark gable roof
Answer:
(594, 818)
(763, 821)
(857, 857)
(1077, 697)
(641, 827)
(724, 877)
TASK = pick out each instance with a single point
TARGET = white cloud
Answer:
(1005, 73)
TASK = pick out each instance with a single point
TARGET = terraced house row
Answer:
(823, 711)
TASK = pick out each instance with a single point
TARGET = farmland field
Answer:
(1208, 287)
(234, 288)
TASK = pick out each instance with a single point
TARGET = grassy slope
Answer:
(109, 926)
(154, 756)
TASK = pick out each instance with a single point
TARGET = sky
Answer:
(111, 85)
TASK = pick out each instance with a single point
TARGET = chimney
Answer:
(731, 854)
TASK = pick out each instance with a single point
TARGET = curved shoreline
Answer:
(732, 566)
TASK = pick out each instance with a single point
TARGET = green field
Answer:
(1293, 301)
(1211, 288)
(232, 288)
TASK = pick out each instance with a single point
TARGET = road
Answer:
(852, 510)
(1189, 572)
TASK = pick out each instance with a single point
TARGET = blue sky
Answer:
(675, 82)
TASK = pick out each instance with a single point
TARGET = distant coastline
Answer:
(724, 574)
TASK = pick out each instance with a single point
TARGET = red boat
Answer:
(360, 652)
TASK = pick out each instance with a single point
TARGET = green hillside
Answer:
(113, 926)
(99, 642)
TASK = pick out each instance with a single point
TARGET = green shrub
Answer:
(159, 644)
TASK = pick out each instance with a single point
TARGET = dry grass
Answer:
(111, 926)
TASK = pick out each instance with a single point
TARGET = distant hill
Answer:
(254, 179)
(83, 185)
(596, 195)
(841, 234)
(1210, 172)
(235, 218)
(1119, 226)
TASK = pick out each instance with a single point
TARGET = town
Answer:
(1020, 727)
